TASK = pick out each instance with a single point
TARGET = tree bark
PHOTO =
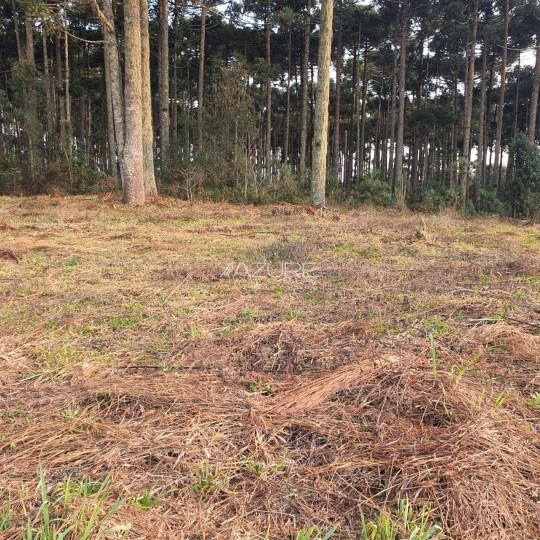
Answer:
(164, 124)
(174, 96)
(133, 147)
(401, 112)
(59, 87)
(200, 84)
(17, 32)
(362, 137)
(481, 167)
(535, 91)
(469, 86)
(268, 28)
(500, 110)
(150, 188)
(304, 77)
(288, 105)
(115, 80)
(336, 165)
(391, 155)
(318, 184)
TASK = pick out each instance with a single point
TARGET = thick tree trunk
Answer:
(535, 91)
(304, 115)
(336, 162)
(200, 85)
(164, 123)
(115, 82)
(150, 188)
(318, 184)
(469, 86)
(500, 110)
(133, 147)
(401, 112)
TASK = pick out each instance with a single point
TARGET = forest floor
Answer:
(383, 374)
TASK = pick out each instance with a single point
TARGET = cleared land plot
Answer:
(401, 369)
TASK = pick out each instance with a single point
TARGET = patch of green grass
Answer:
(405, 525)
(206, 482)
(315, 533)
(123, 322)
(79, 509)
(293, 314)
(534, 400)
(436, 325)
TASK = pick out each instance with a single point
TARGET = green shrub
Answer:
(374, 191)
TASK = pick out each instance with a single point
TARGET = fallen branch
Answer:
(8, 254)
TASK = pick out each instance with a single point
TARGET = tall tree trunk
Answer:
(353, 119)
(362, 137)
(304, 77)
(336, 165)
(469, 86)
(500, 110)
(535, 90)
(31, 113)
(481, 168)
(174, 96)
(111, 143)
(115, 82)
(17, 32)
(391, 155)
(59, 89)
(133, 147)
(150, 187)
(200, 85)
(268, 27)
(401, 112)
(164, 81)
(318, 184)
(288, 106)
(48, 90)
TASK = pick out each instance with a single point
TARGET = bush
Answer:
(374, 191)
(523, 188)
(434, 197)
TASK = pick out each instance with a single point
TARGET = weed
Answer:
(262, 386)
(260, 468)
(293, 315)
(404, 526)
(436, 325)
(123, 322)
(501, 398)
(314, 533)
(77, 510)
(534, 400)
(206, 481)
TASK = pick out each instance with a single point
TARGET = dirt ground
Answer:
(197, 370)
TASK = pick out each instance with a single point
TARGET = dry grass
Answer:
(226, 408)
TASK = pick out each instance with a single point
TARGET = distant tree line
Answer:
(430, 103)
